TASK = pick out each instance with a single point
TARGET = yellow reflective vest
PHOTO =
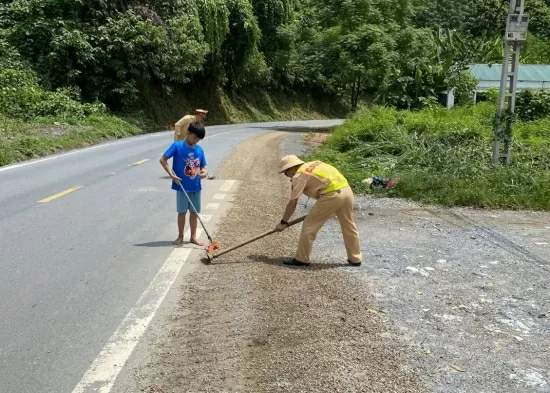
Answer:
(325, 172)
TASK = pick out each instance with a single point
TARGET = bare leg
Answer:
(193, 220)
(181, 227)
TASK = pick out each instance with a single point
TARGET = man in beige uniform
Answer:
(183, 124)
(325, 183)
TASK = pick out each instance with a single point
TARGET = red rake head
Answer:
(211, 249)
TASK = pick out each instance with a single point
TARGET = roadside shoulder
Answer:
(248, 323)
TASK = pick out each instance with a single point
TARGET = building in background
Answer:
(531, 77)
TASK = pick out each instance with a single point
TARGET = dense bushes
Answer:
(403, 52)
(444, 156)
(22, 97)
(70, 60)
(533, 105)
(113, 50)
(34, 122)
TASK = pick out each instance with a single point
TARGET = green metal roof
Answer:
(530, 76)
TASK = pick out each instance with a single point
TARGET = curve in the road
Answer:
(86, 255)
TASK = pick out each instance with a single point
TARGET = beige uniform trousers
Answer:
(339, 203)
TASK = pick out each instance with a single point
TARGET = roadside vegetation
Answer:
(444, 156)
(74, 73)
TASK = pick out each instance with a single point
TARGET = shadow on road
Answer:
(279, 262)
(321, 130)
(161, 243)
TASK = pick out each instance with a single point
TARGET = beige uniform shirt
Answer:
(308, 184)
(182, 126)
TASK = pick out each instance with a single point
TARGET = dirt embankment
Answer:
(247, 323)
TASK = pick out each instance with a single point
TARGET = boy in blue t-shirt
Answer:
(188, 168)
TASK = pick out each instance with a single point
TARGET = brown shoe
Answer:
(354, 263)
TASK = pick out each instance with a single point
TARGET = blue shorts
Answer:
(183, 203)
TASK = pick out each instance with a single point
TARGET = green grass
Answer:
(443, 157)
(21, 140)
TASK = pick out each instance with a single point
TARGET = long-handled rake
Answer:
(210, 251)
(213, 246)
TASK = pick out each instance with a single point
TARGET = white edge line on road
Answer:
(212, 205)
(103, 372)
(233, 138)
(6, 168)
(81, 150)
(219, 196)
(149, 135)
(227, 185)
(163, 133)
(220, 133)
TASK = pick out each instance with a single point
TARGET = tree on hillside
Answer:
(475, 17)
(272, 15)
(353, 47)
(107, 53)
(403, 51)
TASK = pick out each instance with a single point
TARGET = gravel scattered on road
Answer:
(468, 289)
(247, 323)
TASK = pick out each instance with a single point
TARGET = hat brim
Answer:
(290, 165)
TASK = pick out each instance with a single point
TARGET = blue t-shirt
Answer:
(187, 162)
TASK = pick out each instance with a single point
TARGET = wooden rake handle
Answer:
(291, 223)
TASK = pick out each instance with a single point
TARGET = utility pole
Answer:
(515, 35)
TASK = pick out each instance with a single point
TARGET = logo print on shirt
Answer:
(192, 167)
(312, 167)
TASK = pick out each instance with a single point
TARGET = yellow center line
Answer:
(59, 194)
(140, 162)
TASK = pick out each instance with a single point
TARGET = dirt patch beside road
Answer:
(316, 139)
(247, 323)
(469, 288)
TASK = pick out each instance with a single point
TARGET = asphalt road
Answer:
(82, 236)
